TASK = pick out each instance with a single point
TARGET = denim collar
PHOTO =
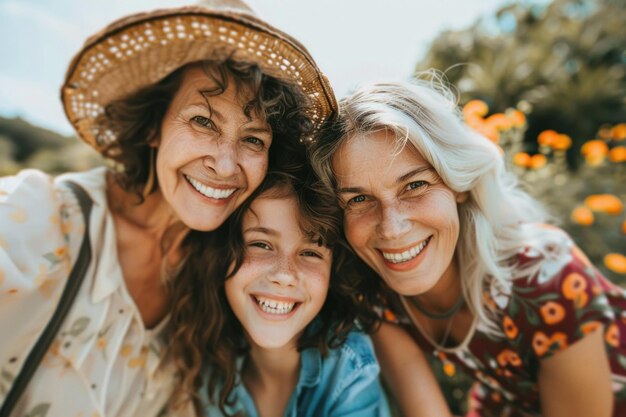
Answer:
(310, 367)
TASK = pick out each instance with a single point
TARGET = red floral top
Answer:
(538, 317)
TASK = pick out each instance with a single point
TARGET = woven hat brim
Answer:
(142, 49)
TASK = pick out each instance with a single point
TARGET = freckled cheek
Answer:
(359, 228)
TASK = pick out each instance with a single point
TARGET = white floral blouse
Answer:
(103, 362)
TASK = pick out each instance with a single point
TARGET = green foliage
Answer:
(566, 62)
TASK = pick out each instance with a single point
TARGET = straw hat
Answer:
(141, 49)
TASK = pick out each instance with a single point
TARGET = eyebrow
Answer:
(402, 178)
(264, 230)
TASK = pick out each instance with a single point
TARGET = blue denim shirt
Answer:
(343, 383)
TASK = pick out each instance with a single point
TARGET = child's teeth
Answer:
(275, 307)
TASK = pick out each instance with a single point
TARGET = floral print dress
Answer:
(104, 361)
(537, 316)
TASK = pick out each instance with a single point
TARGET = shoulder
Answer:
(558, 299)
(357, 351)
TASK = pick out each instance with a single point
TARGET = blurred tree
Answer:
(23, 145)
(564, 63)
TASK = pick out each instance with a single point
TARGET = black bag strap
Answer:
(65, 303)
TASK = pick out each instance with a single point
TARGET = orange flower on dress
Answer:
(542, 343)
(510, 329)
(507, 356)
(573, 288)
(101, 343)
(590, 327)
(618, 132)
(552, 312)
(449, 368)
(617, 154)
(389, 315)
(60, 251)
(547, 137)
(582, 216)
(612, 335)
(522, 159)
(616, 262)
(606, 203)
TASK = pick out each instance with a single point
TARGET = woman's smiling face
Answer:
(399, 216)
(212, 154)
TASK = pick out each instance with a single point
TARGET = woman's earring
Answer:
(148, 188)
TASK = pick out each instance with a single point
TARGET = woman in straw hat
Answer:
(463, 262)
(195, 105)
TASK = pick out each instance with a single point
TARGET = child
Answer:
(286, 343)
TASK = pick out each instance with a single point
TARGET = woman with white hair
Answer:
(461, 258)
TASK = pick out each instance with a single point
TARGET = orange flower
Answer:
(538, 161)
(573, 285)
(594, 147)
(517, 118)
(616, 262)
(101, 343)
(582, 216)
(606, 203)
(389, 315)
(618, 132)
(617, 154)
(475, 108)
(507, 356)
(612, 335)
(562, 142)
(522, 159)
(590, 327)
(547, 137)
(60, 251)
(499, 121)
(543, 343)
(552, 312)
(510, 329)
(488, 131)
(449, 368)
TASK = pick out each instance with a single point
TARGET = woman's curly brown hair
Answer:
(136, 120)
(222, 335)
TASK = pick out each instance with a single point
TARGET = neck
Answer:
(153, 216)
(445, 294)
(269, 368)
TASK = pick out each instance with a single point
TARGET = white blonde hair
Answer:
(493, 220)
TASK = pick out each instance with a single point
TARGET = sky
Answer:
(353, 41)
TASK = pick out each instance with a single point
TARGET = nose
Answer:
(223, 160)
(393, 222)
(284, 273)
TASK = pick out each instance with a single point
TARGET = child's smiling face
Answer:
(283, 281)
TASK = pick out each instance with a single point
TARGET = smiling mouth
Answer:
(205, 190)
(274, 306)
(407, 255)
